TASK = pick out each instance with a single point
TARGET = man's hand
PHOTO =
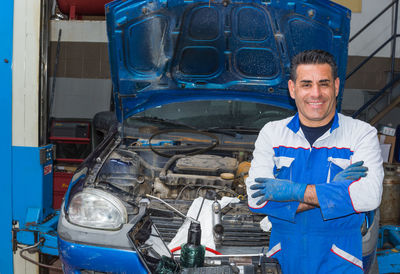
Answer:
(352, 172)
(277, 190)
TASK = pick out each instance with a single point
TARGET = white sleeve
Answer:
(366, 193)
(262, 164)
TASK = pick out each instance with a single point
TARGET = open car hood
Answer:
(164, 51)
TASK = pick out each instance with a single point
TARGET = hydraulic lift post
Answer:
(6, 59)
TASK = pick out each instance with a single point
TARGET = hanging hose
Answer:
(34, 262)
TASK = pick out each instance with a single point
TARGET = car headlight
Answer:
(95, 208)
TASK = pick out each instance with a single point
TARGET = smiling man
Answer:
(315, 174)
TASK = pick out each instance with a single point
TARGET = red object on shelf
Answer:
(70, 131)
(69, 140)
(69, 160)
(82, 7)
(61, 182)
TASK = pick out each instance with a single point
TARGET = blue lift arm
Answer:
(388, 254)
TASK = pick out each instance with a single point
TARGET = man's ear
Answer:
(291, 85)
(337, 84)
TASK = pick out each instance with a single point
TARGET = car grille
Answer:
(235, 234)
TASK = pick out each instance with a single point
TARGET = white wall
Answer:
(376, 34)
(25, 91)
(25, 73)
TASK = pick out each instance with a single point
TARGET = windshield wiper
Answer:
(162, 121)
(229, 132)
(245, 129)
(234, 131)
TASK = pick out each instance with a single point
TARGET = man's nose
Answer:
(315, 91)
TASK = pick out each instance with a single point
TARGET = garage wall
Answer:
(378, 32)
(25, 107)
(83, 81)
(374, 75)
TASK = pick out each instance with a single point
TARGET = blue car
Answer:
(193, 83)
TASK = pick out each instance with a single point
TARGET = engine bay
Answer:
(154, 188)
(181, 177)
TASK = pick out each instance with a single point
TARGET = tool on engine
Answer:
(218, 229)
(173, 208)
(216, 216)
(192, 253)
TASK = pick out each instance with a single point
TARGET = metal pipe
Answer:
(372, 55)
(373, 20)
(393, 54)
(385, 111)
(370, 101)
(172, 208)
(43, 75)
(53, 84)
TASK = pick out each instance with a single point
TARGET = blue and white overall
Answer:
(326, 239)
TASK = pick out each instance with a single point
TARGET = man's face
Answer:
(315, 93)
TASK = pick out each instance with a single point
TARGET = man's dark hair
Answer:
(314, 56)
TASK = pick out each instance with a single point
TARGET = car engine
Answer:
(181, 177)
(135, 174)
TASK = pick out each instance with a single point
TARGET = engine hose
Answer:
(167, 165)
(34, 262)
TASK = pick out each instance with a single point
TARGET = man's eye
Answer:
(306, 85)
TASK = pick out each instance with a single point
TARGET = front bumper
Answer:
(101, 259)
(96, 250)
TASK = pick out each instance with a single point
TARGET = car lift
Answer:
(388, 253)
(26, 167)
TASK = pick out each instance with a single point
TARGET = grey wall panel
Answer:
(80, 97)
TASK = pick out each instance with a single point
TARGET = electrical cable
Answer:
(207, 248)
(217, 187)
(180, 192)
(34, 262)
(201, 207)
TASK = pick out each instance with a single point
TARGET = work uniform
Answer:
(326, 239)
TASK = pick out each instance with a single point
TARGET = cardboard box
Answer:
(387, 130)
(354, 5)
(387, 147)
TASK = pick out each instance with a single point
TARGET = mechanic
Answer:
(314, 174)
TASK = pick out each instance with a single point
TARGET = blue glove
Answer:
(277, 190)
(352, 172)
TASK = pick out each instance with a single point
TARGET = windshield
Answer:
(211, 114)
